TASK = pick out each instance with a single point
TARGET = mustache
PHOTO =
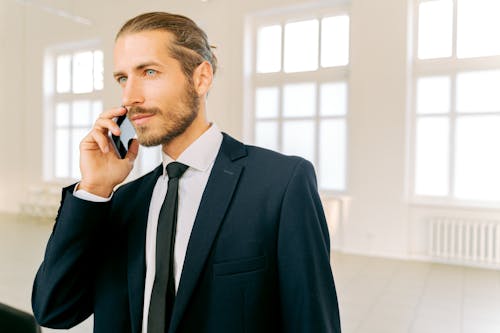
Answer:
(138, 110)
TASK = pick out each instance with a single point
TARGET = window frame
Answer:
(52, 98)
(254, 80)
(449, 67)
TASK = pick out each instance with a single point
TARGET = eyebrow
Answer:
(138, 68)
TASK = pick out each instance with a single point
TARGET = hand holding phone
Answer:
(121, 143)
(102, 168)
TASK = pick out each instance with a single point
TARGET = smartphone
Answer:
(120, 143)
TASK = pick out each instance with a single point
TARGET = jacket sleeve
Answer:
(307, 290)
(62, 295)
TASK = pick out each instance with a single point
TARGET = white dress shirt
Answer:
(200, 157)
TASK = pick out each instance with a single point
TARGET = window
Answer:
(298, 88)
(457, 100)
(73, 86)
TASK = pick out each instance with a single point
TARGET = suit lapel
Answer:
(136, 262)
(214, 203)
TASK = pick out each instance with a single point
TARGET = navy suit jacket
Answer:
(257, 259)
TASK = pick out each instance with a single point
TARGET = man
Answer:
(248, 250)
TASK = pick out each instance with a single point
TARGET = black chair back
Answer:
(16, 321)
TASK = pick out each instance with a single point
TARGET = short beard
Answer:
(180, 122)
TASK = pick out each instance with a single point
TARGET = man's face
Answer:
(161, 102)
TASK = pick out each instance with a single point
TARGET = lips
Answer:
(141, 118)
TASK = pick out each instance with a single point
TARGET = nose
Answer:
(132, 94)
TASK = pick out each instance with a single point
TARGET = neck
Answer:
(175, 147)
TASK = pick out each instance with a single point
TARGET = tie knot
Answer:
(175, 169)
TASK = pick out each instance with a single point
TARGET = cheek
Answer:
(165, 93)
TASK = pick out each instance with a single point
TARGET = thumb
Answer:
(133, 150)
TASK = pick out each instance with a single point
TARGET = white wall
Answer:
(381, 220)
(13, 105)
(377, 127)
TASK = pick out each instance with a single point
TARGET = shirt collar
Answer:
(201, 153)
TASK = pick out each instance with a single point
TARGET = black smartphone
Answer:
(120, 143)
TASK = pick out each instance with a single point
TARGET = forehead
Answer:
(142, 46)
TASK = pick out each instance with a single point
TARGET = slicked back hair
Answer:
(190, 44)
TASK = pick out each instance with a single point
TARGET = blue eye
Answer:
(150, 72)
(122, 79)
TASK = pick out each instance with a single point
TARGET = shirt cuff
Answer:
(84, 195)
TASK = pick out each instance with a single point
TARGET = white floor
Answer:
(385, 296)
(375, 295)
(22, 244)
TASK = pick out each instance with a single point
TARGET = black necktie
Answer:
(163, 293)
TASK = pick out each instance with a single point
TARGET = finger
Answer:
(115, 112)
(101, 140)
(112, 148)
(105, 124)
(133, 150)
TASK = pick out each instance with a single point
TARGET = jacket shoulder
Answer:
(237, 149)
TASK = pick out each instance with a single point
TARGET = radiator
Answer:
(465, 241)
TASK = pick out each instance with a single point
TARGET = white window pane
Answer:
(477, 161)
(478, 91)
(299, 100)
(61, 161)
(63, 73)
(98, 70)
(269, 49)
(266, 102)
(335, 41)
(266, 134)
(77, 136)
(478, 27)
(301, 46)
(432, 150)
(83, 80)
(298, 138)
(62, 115)
(81, 115)
(433, 95)
(333, 99)
(435, 26)
(332, 155)
(96, 110)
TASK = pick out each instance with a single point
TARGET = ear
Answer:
(202, 78)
